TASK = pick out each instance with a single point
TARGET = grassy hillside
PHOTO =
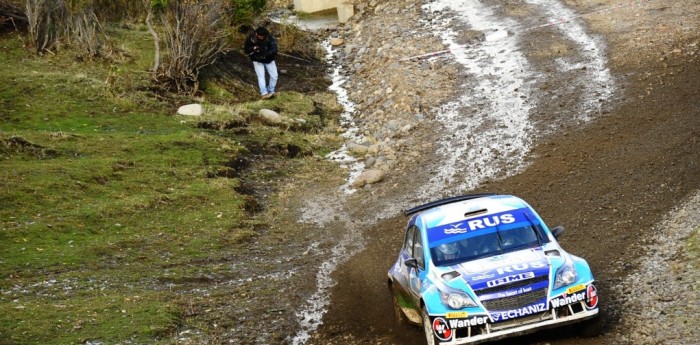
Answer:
(107, 199)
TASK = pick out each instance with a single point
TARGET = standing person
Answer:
(261, 47)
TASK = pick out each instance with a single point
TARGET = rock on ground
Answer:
(270, 116)
(191, 110)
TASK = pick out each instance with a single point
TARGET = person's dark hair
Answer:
(262, 32)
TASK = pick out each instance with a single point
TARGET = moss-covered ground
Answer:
(107, 199)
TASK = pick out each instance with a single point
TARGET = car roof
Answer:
(459, 208)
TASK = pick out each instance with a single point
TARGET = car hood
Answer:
(498, 270)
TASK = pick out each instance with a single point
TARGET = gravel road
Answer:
(594, 121)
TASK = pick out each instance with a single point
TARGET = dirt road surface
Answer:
(595, 121)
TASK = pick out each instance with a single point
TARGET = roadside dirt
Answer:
(608, 181)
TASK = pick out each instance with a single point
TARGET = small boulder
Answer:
(369, 177)
(191, 110)
(270, 116)
(335, 41)
(357, 148)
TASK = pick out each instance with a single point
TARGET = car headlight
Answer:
(457, 300)
(566, 275)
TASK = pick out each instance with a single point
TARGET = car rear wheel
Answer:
(430, 338)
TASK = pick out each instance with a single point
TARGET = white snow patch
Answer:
(341, 155)
(488, 132)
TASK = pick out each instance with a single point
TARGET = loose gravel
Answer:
(666, 304)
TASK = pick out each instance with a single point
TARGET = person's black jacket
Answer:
(266, 49)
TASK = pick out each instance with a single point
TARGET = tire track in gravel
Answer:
(492, 127)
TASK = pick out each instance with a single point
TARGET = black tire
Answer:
(401, 318)
(430, 338)
(590, 328)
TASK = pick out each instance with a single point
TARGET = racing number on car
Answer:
(441, 329)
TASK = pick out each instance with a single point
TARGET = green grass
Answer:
(108, 200)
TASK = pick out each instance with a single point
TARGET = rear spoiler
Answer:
(444, 202)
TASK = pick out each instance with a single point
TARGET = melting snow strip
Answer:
(488, 130)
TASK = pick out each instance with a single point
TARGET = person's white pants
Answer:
(271, 69)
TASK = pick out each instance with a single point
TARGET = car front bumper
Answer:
(522, 326)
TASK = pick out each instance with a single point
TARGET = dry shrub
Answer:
(12, 15)
(194, 37)
(86, 32)
(46, 19)
(294, 40)
(74, 22)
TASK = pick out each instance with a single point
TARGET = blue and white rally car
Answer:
(481, 267)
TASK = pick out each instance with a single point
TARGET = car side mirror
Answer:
(557, 231)
(413, 263)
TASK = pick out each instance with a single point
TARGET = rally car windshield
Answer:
(489, 244)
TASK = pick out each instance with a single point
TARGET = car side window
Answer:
(408, 243)
(418, 250)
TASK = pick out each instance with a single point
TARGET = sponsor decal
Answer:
(478, 224)
(515, 313)
(491, 221)
(457, 315)
(441, 329)
(474, 321)
(592, 294)
(510, 279)
(483, 276)
(510, 293)
(493, 275)
(455, 229)
(576, 288)
(501, 293)
(521, 267)
(567, 299)
(491, 263)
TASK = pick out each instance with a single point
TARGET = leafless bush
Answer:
(45, 18)
(74, 22)
(86, 32)
(12, 14)
(194, 37)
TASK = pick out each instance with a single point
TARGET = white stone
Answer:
(191, 110)
(270, 116)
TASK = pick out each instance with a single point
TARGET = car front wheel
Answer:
(428, 328)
